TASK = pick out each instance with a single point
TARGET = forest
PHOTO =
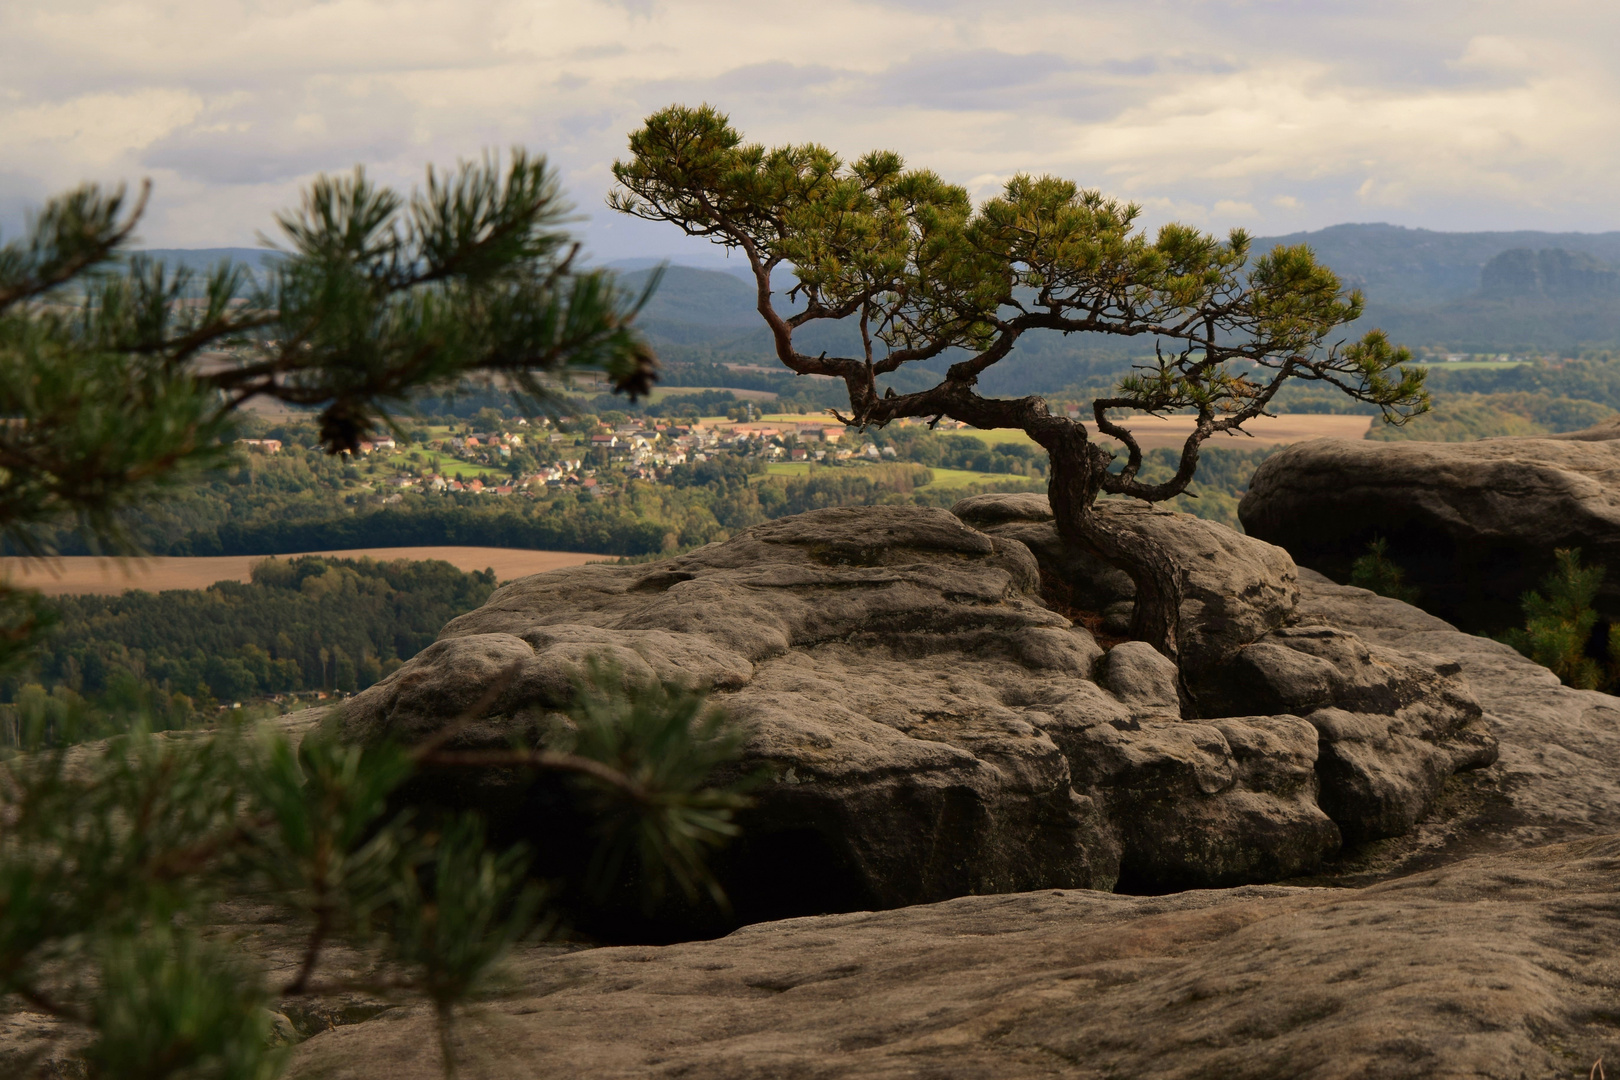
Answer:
(304, 624)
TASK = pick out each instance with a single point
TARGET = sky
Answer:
(1270, 115)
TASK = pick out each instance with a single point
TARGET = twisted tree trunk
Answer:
(1077, 467)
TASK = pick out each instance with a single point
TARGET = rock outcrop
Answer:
(1557, 772)
(1391, 727)
(1484, 943)
(933, 728)
(1235, 589)
(1499, 967)
(1473, 525)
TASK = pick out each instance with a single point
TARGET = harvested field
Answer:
(80, 575)
(1266, 431)
(1154, 432)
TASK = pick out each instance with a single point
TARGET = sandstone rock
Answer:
(1393, 727)
(1205, 803)
(1235, 588)
(1557, 773)
(1473, 525)
(884, 661)
(1071, 578)
(1143, 678)
(1499, 967)
(931, 728)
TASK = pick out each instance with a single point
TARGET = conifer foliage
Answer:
(1559, 621)
(121, 861)
(119, 376)
(1375, 571)
(118, 863)
(926, 276)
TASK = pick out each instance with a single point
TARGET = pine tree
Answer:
(923, 274)
(1559, 622)
(119, 380)
(1377, 572)
(119, 377)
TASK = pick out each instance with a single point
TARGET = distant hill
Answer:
(1477, 292)
(710, 316)
(693, 303)
(1468, 292)
(1418, 268)
(208, 258)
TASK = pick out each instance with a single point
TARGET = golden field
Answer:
(77, 575)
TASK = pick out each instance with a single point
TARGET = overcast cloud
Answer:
(1273, 115)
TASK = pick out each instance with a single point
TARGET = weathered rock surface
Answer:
(1557, 773)
(887, 664)
(1143, 679)
(933, 728)
(1473, 952)
(1502, 966)
(1473, 525)
(1392, 727)
(1235, 588)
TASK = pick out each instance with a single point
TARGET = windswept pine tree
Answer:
(922, 274)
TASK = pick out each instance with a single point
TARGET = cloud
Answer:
(1274, 115)
(323, 126)
(94, 128)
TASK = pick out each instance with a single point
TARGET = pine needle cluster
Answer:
(122, 860)
(1559, 625)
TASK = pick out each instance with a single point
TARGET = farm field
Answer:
(80, 575)
(1469, 365)
(1154, 432)
(956, 478)
(943, 478)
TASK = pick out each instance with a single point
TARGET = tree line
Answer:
(300, 624)
(1465, 417)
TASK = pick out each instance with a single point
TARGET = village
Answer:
(534, 455)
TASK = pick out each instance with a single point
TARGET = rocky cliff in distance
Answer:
(1549, 274)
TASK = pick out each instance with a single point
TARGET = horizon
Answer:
(716, 259)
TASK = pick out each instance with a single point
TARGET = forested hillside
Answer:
(305, 624)
(1426, 288)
